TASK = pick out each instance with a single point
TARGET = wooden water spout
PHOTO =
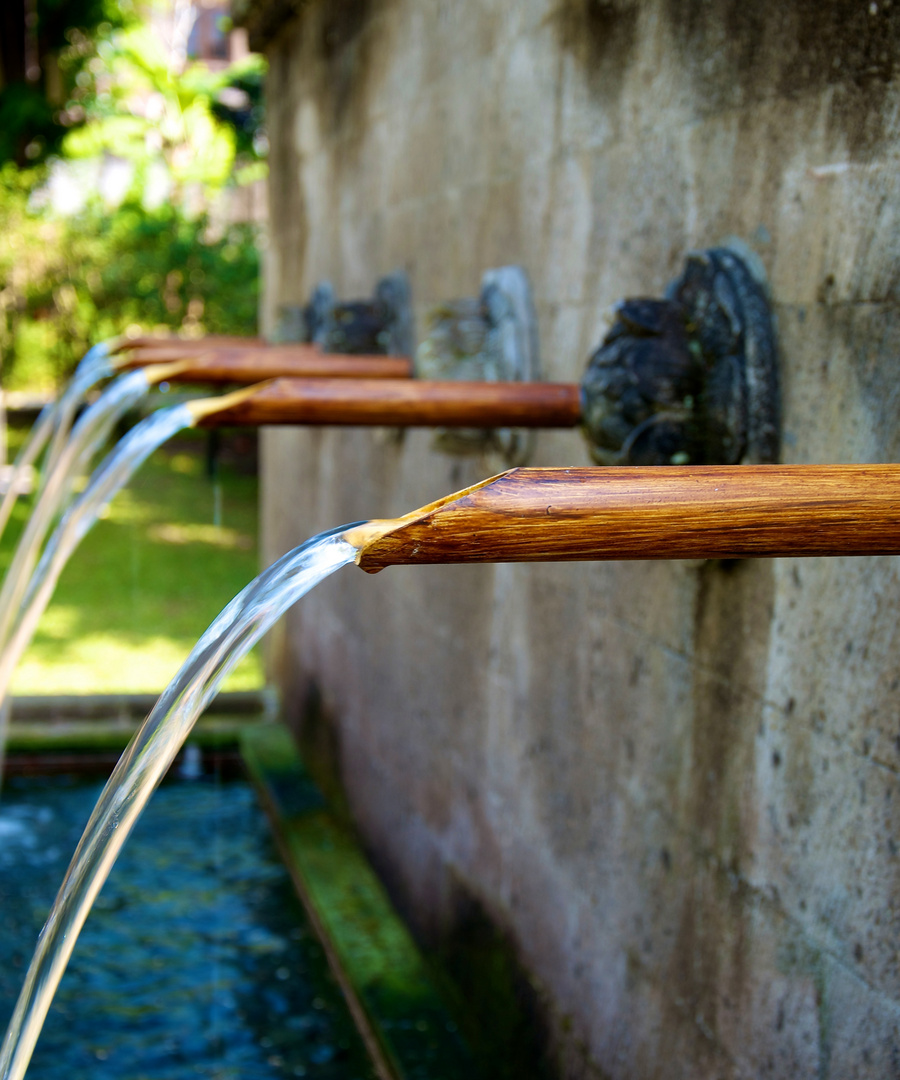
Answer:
(250, 363)
(406, 403)
(700, 512)
(124, 346)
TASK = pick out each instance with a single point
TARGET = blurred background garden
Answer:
(132, 201)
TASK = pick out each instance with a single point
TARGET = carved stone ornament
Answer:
(690, 379)
(382, 325)
(488, 338)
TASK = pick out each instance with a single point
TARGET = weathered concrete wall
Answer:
(675, 786)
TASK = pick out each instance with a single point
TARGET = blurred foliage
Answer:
(70, 282)
(162, 569)
(246, 117)
(164, 257)
(60, 40)
(148, 113)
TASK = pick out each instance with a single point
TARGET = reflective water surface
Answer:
(145, 762)
(197, 960)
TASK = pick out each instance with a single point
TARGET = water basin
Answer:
(197, 960)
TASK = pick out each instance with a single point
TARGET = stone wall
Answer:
(673, 786)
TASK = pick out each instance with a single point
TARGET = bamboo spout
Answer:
(186, 345)
(407, 403)
(204, 408)
(702, 512)
(164, 372)
(255, 362)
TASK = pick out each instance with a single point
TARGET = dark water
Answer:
(197, 960)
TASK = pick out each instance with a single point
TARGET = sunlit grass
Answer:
(146, 582)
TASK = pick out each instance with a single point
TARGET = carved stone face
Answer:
(488, 338)
(641, 386)
(690, 379)
(454, 343)
(382, 325)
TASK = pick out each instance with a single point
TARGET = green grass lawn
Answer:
(146, 581)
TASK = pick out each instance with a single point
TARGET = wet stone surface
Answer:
(197, 960)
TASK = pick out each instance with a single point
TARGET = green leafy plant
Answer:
(180, 133)
(48, 53)
(70, 282)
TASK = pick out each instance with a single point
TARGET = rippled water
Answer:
(197, 960)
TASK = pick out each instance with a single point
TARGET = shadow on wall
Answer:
(347, 56)
(601, 35)
(737, 53)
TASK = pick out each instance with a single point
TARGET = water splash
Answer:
(55, 419)
(88, 435)
(152, 750)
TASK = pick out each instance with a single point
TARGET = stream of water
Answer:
(95, 365)
(152, 750)
(55, 420)
(32, 596)
(26, 591)
(86, 438)
(197, 960)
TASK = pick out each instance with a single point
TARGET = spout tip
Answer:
(206, 408)
(374, 539)
(157, 373)
(367, 533)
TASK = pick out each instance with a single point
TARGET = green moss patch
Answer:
(390, 987)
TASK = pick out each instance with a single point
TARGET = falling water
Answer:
(55, 419)
(95, 365)
(88, 435)
(111, 476)
(144, 763)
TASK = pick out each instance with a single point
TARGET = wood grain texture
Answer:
(254, 364)
(701, 512)
(407, 403)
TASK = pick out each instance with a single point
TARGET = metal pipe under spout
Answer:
(249, 364)
(699, 512)
(406, 403)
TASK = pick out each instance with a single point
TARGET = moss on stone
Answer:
(372, 949)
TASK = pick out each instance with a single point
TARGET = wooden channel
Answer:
(405, 403)
(701, 512)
